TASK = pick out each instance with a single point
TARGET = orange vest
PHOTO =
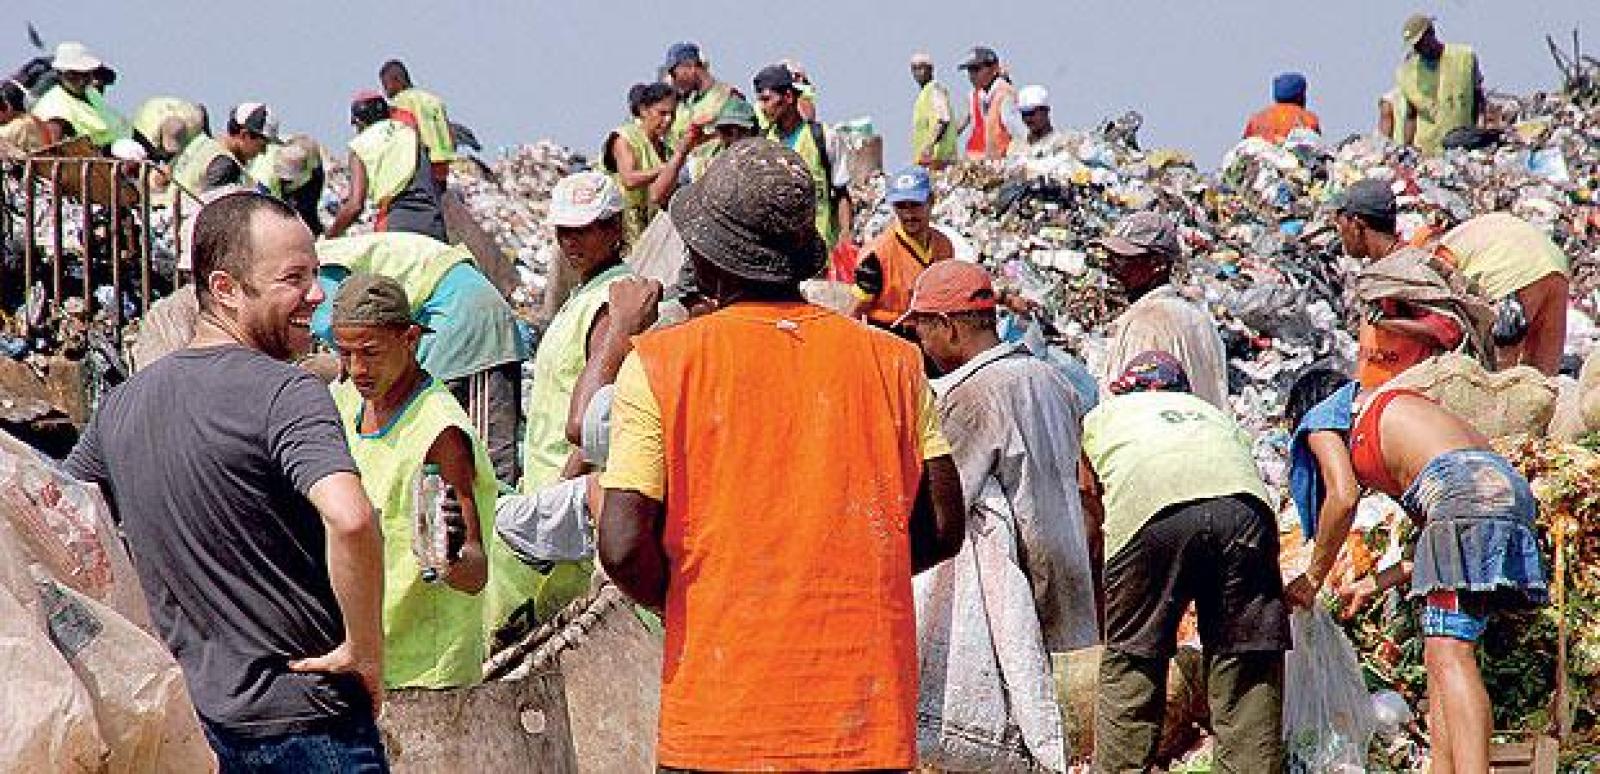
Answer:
(1276, 122)
(792, 463)
(901, 266)
(989, 137)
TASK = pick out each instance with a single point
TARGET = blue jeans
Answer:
(355, 748)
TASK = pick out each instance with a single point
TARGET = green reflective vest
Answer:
(925, 124)
(702, 109)
(189, 167)
(388, 149)
(637, 207)
(264, 169)
(804, 142)
(416, 261)
(1441, 95)
(89, 117)
(154, 112)
(433, 124)
(433, 635)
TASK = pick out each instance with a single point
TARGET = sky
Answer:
(516, 71)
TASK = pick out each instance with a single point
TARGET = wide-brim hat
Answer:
(74, 57)
(753, 214)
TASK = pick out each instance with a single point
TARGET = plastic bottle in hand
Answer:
(430, 541)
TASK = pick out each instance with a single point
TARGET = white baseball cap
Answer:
(581, 199)
(74, 57)
(1033, 96)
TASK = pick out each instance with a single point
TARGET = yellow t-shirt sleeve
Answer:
(637, 460)
(929, 432)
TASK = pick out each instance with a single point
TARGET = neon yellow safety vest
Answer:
(433, 635)
(264, 170)
(560, 359)
(703, 108)
(154, 112)
(637, 207)
(432, 123)
(388, 149)
(925, 123)
(417, 261)
(804, 143)
(189, 168)
(1442, 95)
(89, 117)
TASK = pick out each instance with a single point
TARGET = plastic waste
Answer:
(430, 537)
(1327, 714)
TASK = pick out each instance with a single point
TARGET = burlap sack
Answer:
(1518, 401)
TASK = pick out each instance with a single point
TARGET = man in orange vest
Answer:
(993, 114)
(894, 260)
(1287, 113)
(776, 476)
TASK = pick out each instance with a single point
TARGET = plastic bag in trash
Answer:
(1327, 713)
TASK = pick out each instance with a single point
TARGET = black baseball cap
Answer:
(775, 77)
(981, 56)
(1370, 197)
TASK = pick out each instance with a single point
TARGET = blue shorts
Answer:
(1450, 614)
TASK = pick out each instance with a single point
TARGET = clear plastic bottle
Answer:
(429, 536)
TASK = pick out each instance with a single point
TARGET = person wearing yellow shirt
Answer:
(74, 105)
(1439, 87)
(1171, 488)
(398, 420)
(432, 120)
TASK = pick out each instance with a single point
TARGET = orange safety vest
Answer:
(902, 262)
(790, 629)
(1276, 122)
(989, 138)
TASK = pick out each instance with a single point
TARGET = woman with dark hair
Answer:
(1475, 548)
(635, 152)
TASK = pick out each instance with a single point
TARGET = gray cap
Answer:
(1370, 197)
(1142, 233)
(753, 214)
(371, 300)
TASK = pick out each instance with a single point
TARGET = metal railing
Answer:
(117, 236)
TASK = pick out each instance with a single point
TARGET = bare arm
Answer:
(630, 546)
(939, 518)
(1094, 521)
(1341, 493)
(355, 570)
(452, 452)
(666, 180)
(845, 212)
(355, 199)
(628, 172)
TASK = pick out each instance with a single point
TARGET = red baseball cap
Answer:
(951, 286)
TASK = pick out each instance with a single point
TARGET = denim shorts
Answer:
(1477, 534)
(1454, 615)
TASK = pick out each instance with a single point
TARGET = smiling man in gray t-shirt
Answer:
(252, 537)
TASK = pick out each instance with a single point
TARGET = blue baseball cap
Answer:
(910, 185)
(680, 53)
(1288, 86)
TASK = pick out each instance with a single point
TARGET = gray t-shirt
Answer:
(206, 458)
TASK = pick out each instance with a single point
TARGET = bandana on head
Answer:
(1150, 371)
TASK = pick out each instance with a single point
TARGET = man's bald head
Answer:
(224, 234)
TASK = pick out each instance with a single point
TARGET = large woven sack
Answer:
(1518, 401)
(62, 562)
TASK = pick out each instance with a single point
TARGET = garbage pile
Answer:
(510, 198)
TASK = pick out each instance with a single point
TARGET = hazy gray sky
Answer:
(517, 71)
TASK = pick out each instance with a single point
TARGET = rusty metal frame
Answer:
(119, 193)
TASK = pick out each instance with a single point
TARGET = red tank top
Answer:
(1366, 444)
